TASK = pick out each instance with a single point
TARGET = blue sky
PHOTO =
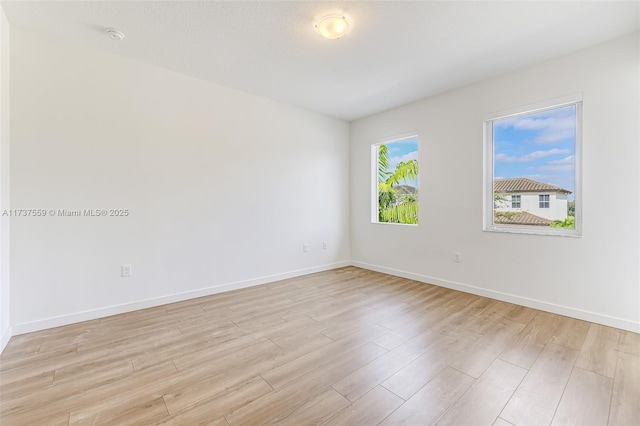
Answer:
(538, 146)
(404, 150)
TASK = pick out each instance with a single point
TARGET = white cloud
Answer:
(533, 123)
(563, 165)
(552, 126)
(556, 168)
(394, 161)
(532, 156)
(539, 177)
(549, 136)
(565, 160)
(504, 157)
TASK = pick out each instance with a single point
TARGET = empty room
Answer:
(319, 213)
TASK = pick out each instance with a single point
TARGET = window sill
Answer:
(393, 223)
(534, 230)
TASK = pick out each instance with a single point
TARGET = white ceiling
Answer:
(395, 53)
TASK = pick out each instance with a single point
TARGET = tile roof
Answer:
(524, 185)
(519, 218)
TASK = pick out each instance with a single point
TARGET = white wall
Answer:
(5, 325)
(594, 277)
(560, 205)
(530, 202)
(223, 187)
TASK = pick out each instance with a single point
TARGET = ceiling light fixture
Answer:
(332, 26)
(115, 34)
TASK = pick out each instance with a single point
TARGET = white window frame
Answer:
(516, 199)
(488, 208)
(544, 201)
(374, 176)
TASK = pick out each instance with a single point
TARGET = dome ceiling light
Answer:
(332, 26)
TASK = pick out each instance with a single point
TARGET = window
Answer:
(395, 181)
(532, 169)
(543, 202)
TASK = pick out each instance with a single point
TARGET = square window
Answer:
(543, 201)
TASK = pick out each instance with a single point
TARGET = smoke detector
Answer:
(115, 34)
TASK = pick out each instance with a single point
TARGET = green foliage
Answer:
(571, 208)
(406, 212)
(506, 215)
(569, 223)
(387, 196)
(498, 199)
(395, 206)
(383, 163)
(404, 172)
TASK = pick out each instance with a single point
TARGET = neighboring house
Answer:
(533, 203)
(520, 218)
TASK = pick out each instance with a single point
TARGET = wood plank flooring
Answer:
(347, 346)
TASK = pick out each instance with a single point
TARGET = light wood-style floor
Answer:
(341, 347)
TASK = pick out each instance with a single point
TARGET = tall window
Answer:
(532, 164)
(395, 181)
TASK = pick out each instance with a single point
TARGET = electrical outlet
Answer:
(325, 245)
(457, 257)
(126, 270)
(305, 247)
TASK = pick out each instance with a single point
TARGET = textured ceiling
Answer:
(395, 53)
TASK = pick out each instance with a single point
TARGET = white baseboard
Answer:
(4, 339)
(506, 297)
(58, 321)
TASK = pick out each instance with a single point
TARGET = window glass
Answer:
(532, 170)
(396, 192)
